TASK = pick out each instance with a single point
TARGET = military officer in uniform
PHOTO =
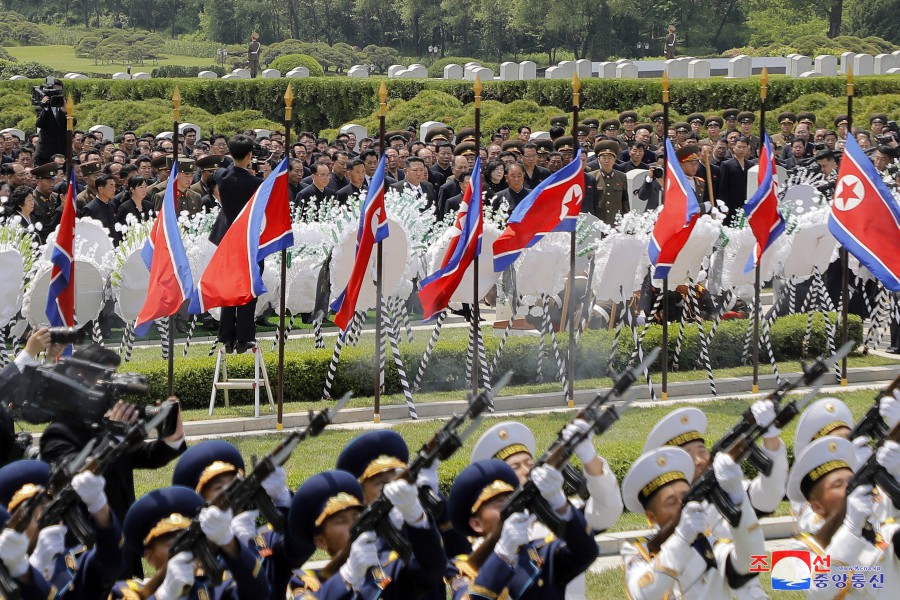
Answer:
(207, 165)
(253, 52)
(746, 119)
(628, 119)
(696, 121)
(186, 199)
(842, 124)
(544, 148)
(682, 130)
(690, 563)
(658, 137)
(46, 201)
(89, 171)
(592, 124)
(612, 185)
(518, 567)
(731, 119)
(559, 121)
(714, 126)
(689, 158)
(669, 50)
(877, 123)
(786, 121)
(163, 166)
(151, 527)
(610, 128)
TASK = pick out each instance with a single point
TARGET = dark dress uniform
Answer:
(44, 207)
(512, 198)
(612, 196)
(105, 213)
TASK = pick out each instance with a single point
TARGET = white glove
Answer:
(216, 525)
(51, 541)
(889, 457)
(860, 505)
(363, 556)
(89, 488)
(14, 552)
(764, 413)
(179, 575)
(243, 526)
(405, 498)
(729, 475)
(862, 451)
(890, 409)
(276, 487)
(513, 535)
(429, 477)
(549, 483)
(585, 451)
(692, 522)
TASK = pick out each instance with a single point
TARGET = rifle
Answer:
(444, 443)
(65, 505)
(21, 518)
(528, 497)
(872, 425)
(244, 492)
(705, 486)
(870, 473)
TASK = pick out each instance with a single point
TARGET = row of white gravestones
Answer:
(826, 65)
(508, 71)
(568, 68)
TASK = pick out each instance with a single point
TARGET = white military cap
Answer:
(652, 471)
(819, 419)
(820, 458)
(677, 428)
(502, 441)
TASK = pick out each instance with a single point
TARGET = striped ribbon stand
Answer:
(124, 338)
(96, 332)
(561, 374)
(485, 373)
(792, 295)
(638, 344)
(129, 340)
(766, 341)
(873, 335)
(5, 357)
(827, 306)
(398, 363)
(470, 354)
(332, 366)
(682, 325)
(288, 327)
(385, 333)
(404, 315)
(390, 304)
(748, 335)
(729, 296)
(163, 326)
(701, 331)
(317, 329)
(542, 329)
(356, 326)
(190, 335)
(503, 337)
(435, 334)
(808, 306)
(212, 349)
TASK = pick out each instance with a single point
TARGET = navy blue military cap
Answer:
(21, 480)
(207, 460)
(478, 483)
(373, 453)
(322, 496)
(160, 512)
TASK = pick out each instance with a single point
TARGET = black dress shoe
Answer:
(893, 350)
(229, 347)
(242, 347)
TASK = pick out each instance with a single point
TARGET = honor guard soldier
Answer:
(14, 556)
(592, 124)
(658, 138)
(77, 572)
(565, 145)
(253, 51)
(610, 129)
(89, 171)
(714, 127)
(731, 119)
(841, 124)
(45, 200)
(517, 567)
(376, 458)
(581, 133)
(321, 516)
(513, 146)
(690, 564)
(696, 121)
(809, 118)
(819, 477)
(611, 198)
(786, 121)
(685, 427)
(151, 527)
(186, 199)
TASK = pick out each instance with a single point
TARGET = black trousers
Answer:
(238, 323)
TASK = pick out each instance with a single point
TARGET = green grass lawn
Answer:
(62, 58)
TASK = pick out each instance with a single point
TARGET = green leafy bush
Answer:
(305, 371)
(16, 30)
(31, 70)
(437, 68)
(116, 45)
(180, 71)
(286, 62)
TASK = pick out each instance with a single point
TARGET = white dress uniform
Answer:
(602, 509)
(846, 548)
(680, 570)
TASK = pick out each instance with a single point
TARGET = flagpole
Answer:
(665, 285)
(476, 310)
(279, 422)
(569, 314)
(757, 308)
(376, 417)
(176, 116)
(845, 257)
(70, 133)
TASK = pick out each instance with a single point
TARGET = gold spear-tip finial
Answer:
(665, 85)
(382, 98)
(764, 83)
(289, 95)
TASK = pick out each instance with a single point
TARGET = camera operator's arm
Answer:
(157, 453)
(45, 114)
(37, 342)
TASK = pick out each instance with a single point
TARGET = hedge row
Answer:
(325, 102)
(305, 371)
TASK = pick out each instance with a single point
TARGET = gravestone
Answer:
(17, 78)
(527, 70)
(810, 74)
(827, 64)
(358, 71)
(635, 181)
(627, 71)
(740, 67)
(676, 68)
(483, 73)
(427, 126)
(298, 72)
(698, 69)
(453, 71)
(358, 130)
(121, 76)
(752, 173)
(847, 61)
(509, 71)
(394, 69)
(141, 75)
(555, 73)
(271, 74)
(241, 73)
(207, 75)
(567, 67)
(583, 68)
(418, 71)
(885, 62)
(799, 64)
(863, 64)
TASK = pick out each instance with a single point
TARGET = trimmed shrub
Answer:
(180, 71)
(437, 68)
(305, 371)
(31, 70)
(286, 62)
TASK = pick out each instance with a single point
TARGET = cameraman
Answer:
(63, 440)
(51, 120)
(38, 341)
(651, 189)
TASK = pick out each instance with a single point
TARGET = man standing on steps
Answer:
(253, 54)
(236, 185)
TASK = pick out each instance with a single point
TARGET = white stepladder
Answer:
(254, 384)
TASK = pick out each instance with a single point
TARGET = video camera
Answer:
(52, 88)
(80, 391)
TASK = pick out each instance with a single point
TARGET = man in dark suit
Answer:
(51, 120)
(733, 178)
(62, 440)
(340, 162)
(316, 193)
(452, 203)
(534, 174)
(451, 187)
(357, 185)
(236, 184)
(416, 182)
(516, 190)
(101, 207)
(295, 176)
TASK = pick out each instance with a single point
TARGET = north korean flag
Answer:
(60, 308)
(865, 217)
(762, 209)
(676, 220)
